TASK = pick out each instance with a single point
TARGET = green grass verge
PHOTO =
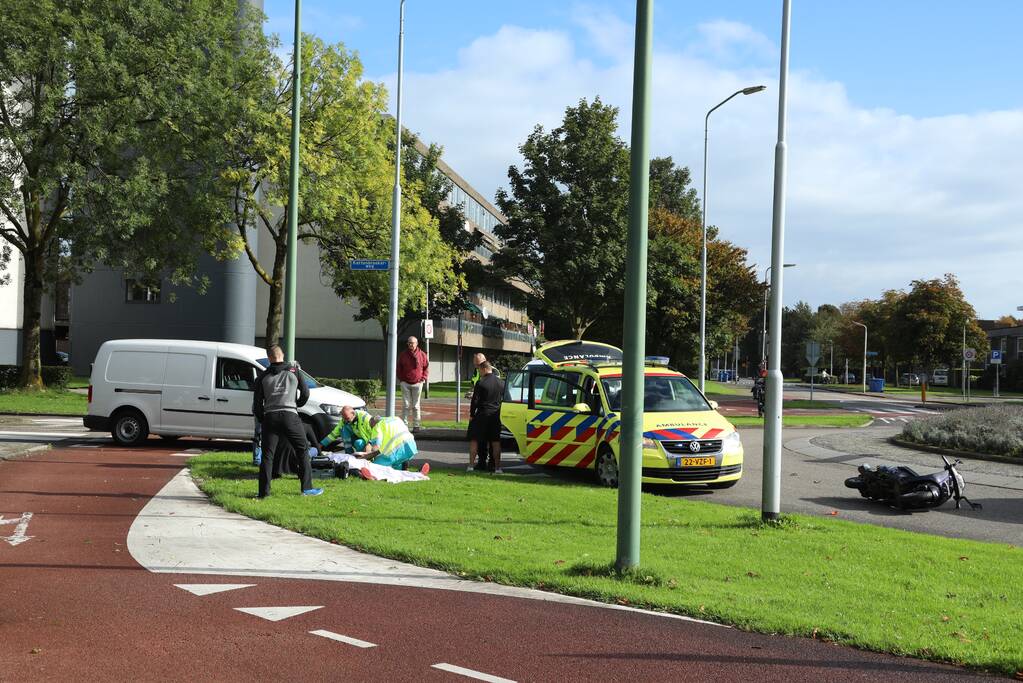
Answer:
(46, 401)
(815, 405)
(79, 382)
(847, 420)
(868, 586)
(722, 388)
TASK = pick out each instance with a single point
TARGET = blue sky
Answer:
(905, 117)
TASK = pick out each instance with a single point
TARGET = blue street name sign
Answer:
(871, 354)
(369, 264)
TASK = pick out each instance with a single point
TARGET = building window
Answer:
(138, 292)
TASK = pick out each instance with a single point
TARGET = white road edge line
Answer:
(469, 673)
(330, 635)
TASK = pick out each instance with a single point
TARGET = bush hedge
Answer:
(54, 376)
(366, 389)
(992, 429)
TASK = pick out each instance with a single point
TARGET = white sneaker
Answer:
(498, 471)
(470, 468)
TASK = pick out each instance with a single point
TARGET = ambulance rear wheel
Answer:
(606, 468)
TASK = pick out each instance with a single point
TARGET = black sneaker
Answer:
(341, 471)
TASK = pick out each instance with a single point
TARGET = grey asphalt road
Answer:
(815, 464)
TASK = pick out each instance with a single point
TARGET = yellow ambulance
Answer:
(565, 412)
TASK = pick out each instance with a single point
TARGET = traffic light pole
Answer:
(631, 446)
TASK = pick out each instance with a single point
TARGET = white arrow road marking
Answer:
(211, 588)
(342, 639)
(19, 531)
(469, 673)
(277, 613)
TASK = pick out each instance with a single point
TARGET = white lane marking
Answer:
(904, 420)
(211, 588)
(341, 639)
(469, 673)
(183, 455)
(66, 435)
(18, 536)
(277, 613)
(886, 420)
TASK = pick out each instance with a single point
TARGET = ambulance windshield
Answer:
(662, 394)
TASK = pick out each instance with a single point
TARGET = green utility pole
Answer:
(631, 444)
(291, 270)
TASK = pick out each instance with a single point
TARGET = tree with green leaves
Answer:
(112, 121)
(346, 175)
(930, 320)
(567, 217)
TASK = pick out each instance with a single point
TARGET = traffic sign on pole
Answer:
(813, 353)
(369, 264)
(427, 329)
(996, 357)
(969, 355)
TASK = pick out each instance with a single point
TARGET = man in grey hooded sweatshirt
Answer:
(279, 393)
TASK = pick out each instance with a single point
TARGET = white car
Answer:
(175, 388)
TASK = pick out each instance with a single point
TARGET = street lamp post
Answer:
(770, 505)
(864, 354)
(703, 278)
(763, 336)
(291, 261)
(392, 322)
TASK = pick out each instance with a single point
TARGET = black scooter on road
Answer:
(902, 488)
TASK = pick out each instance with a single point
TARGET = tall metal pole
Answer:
(426, 385)
(770, 506)
(633, 374)
(864, 378)
(763, 337)
(392, 321)
(291, 269)
(703, 258)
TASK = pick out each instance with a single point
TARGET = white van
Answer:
(175, 388)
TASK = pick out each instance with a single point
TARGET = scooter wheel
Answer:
(854, 483)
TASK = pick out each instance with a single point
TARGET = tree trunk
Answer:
(274, 313)
(31, 366)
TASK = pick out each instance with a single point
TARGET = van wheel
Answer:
(129, 427)
(606, 468)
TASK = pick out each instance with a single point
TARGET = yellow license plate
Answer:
(696, 462)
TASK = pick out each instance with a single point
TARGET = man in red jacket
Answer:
(413, 372)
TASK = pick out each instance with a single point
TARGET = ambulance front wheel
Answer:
(606, 468)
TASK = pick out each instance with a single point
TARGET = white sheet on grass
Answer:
(381, 472)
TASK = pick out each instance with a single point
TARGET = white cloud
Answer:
(875, 198)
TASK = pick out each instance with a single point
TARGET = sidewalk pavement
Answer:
(180, 532)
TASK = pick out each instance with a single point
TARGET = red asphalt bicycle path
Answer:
(75, 605)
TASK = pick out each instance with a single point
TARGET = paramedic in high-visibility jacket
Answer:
(391, 445)
(354, 430)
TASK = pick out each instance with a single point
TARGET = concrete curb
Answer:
(179, 531)
(25, 453)
(895, 441)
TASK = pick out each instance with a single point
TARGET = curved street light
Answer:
(703, 279)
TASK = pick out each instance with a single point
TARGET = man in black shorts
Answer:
(485, 416)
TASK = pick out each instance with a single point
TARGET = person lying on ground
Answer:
(373, 472)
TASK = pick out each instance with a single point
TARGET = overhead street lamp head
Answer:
(753, 89)
(788, 265)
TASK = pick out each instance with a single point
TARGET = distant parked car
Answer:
(849, 378)
(940, 377)
(63, 358)
(909, 378)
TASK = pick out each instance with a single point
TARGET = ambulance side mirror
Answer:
(713, 405)
(582, 408)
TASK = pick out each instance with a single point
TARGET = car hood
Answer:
(701, 424)
(336, 397)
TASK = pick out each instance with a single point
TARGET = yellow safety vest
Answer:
(391, 434)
